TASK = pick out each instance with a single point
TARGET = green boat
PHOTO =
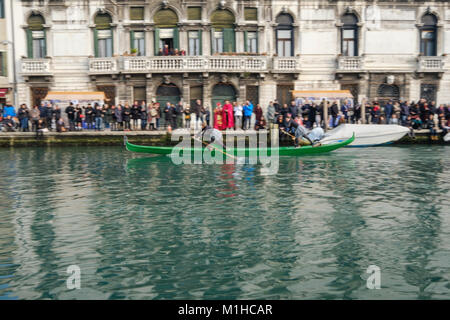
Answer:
(282, 151)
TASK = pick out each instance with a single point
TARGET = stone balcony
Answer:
(182, 64)
(35, 67)
(103, 65)
(430, 64)
(286, 64)
(350, 64)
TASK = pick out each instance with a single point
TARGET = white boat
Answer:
(366, 135)
(447, 137)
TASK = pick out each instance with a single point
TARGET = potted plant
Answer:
(134, 52)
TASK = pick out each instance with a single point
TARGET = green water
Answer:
(144, 228)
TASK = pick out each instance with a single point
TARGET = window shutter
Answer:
(212, 40)
(131, 40)
(136, 13)
(222, 19)
(112, 43)
(29, 43)
(194, 13)
(156, 38)
(228, 40)
(165, 18)
(176, 38)
(200, 41)
(251, 14)
(245, 41)
(103, 21)
(45, 44)
(95, 42)
(4, 64)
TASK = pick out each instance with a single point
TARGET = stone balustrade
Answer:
(430, 64)
(350, 63)
(35, 66)
(103, 65)
(158, 64)
(286, 64)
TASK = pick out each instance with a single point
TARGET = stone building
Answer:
(7, 71)
(235, 49)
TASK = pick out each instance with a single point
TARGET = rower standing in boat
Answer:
(299, 132)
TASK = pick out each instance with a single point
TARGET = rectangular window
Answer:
(349, 42)
(194, 13)
(136, 13)
(252, 41)
(284, 43)
(250, 14)
(218, 41)
(2, 9)
(3, 64)
(194, 43)
(38, 44)
(105, 47)
(428, 43)
(139, 42)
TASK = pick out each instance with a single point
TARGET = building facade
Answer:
(7, 66)
(234, 49)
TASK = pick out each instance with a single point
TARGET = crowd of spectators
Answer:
(229, 116)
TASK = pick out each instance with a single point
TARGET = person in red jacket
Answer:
(227, 115)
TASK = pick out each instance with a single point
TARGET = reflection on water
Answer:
(143, 228)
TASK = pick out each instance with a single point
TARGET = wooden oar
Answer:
(206, 144)
(293, 138)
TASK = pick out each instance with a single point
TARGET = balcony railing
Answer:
(158, 64)
(286, 64)
(103, 65)
(431, 64)
(192, 64)
(350, 63)
(35, 66)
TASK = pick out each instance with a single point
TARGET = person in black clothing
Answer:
(49, 113)
(135, 116)
(178, 117)
(70, 110)
(312, 111)
(293, 110)
(334, 110)
(356, 113)
(284, 111)
(126, 116)
(89, 116)
(78, 118)
(144, 116)
(99, 114)
(276, 105)
(23, 116)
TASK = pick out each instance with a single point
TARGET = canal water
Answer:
(141, 227)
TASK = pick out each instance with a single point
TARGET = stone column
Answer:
(149, 88)
(267, 93)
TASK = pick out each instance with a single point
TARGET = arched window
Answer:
(285, 35)
(166, 32)
(103, 37)
(428, 35)
(36, 37)
(222, 32)
(349, 35)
